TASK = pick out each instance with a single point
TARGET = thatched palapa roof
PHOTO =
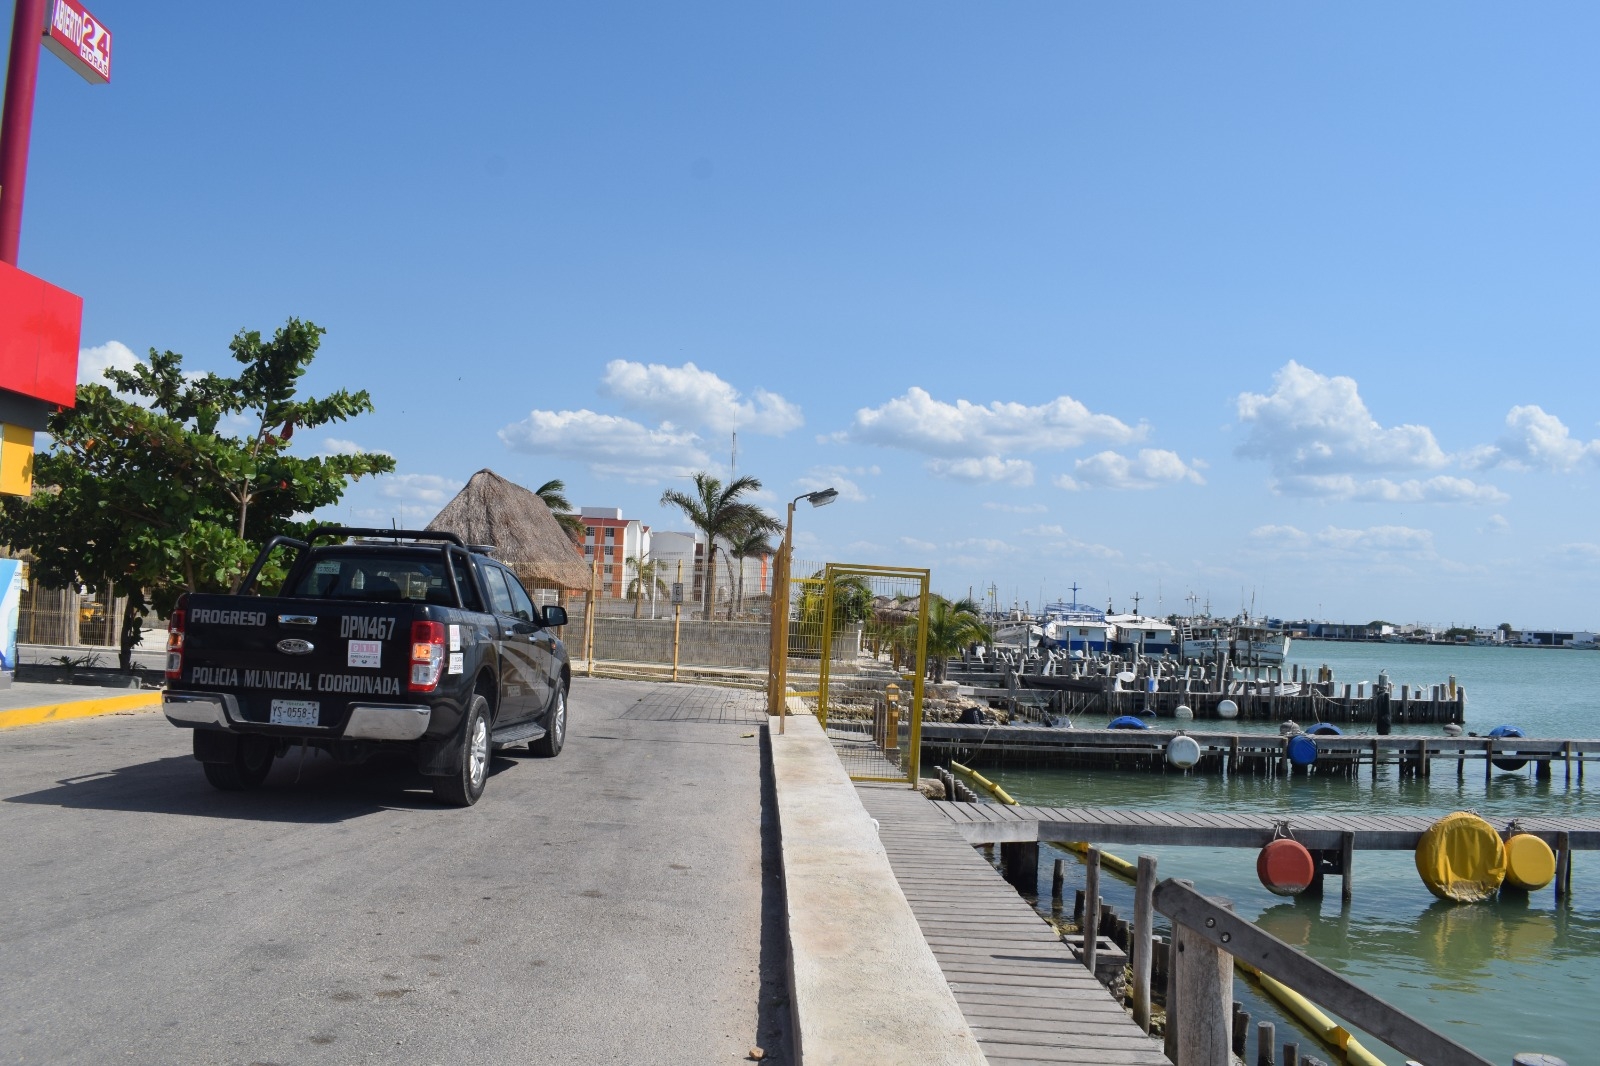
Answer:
(526, 536)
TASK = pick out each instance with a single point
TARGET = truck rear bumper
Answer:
(387, 722)
(367, 721)
(200, 708)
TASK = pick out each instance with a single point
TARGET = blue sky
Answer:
(1236, 299)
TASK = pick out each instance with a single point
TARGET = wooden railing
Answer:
(1208, 937)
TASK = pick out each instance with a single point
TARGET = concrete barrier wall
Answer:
(864, 987)
(646, 640)
(743, 645)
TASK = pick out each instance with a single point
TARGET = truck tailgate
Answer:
(297, 663)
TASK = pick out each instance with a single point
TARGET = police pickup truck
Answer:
(388, 640)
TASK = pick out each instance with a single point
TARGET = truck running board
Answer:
(511, 734)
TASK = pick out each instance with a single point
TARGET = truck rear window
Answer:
(374, 577)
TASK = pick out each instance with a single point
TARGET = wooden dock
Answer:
(1094, 689)
(1250, 753)
(993, 823)
(1027, 999)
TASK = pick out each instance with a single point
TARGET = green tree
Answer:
(952, 626)
(152, 489)
(646, 581)
(554, 495)
(752, 538)
(715, 510)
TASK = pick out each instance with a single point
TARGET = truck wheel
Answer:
(463, 787)
(251, 762)
(555, 727)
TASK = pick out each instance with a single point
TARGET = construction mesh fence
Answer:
(869, 627)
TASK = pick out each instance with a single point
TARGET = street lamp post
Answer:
(778, 653)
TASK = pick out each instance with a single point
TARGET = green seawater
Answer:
(1518, 974)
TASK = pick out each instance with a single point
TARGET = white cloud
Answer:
(1321, 441)
(94, 362)
(611, 446)
(688, 396)
(1071, 547)
(417, 488)
(1374, 540)
(339, 446)
(1441, 488)
(985, 544)
(1044, 531)
(1535, 439)
(917, 422)
(840, 478)
(1151, 468)
(917, 545)
(1016, 508)
(1283, 535)
(989, 468)
(1313, 424)
(1581, 552)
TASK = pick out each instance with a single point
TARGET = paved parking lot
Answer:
(618, 904)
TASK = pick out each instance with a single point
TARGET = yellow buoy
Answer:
(1530, 864)
(1460, 857)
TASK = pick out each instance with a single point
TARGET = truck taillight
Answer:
(427, 655)
(175, 626)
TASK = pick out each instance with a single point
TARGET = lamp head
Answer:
(823, 497)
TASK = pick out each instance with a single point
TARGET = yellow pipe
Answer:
(984, 783)
(1327, 1030)
(1334, 1035)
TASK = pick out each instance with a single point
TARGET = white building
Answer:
(615, 539)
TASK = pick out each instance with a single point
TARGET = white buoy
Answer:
(1184, 711)
(1183, 752)
(1227, 709)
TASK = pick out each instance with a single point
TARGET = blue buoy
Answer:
(1508, 731)
(1127, 721)
(1302, 750)
(1325, 729)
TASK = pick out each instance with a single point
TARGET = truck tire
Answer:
(463, 787)
(555, 727)
(251, 762)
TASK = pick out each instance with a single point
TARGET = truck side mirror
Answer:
(555, 616)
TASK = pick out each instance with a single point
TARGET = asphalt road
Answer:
(607, 906)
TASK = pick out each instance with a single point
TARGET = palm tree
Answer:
(951, 628)
(715, 510)
(554, 495)
(646, 581)
(754, 538)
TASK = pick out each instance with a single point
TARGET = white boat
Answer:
(1077, 627)
(1244, 643)
(1016, 633)
(1143, 635)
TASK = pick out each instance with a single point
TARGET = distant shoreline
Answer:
(1443, 644)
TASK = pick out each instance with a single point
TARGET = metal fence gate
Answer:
(871, 624)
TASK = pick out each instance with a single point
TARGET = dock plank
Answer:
(1025, 996)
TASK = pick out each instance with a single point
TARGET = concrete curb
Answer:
(57, 712)
(864, 987)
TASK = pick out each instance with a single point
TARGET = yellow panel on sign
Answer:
(16, 460)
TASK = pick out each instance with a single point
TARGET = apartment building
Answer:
(615, 540)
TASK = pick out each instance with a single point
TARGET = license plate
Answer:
(295, 712)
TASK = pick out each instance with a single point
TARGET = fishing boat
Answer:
(1137, 634)
(1244, 642)
(1076, 627)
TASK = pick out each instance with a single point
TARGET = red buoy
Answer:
(1285, 867)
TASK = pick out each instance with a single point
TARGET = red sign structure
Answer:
(80, 39)
(39, 326)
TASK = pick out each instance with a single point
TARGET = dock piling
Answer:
(1266, 1037)
(1143, 925)
(1058, 880)
(1091, 907)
